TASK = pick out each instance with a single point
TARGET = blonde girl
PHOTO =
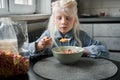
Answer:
(63, 30)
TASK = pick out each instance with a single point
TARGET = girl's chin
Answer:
(63, 32)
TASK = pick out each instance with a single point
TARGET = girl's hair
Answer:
(72, 4)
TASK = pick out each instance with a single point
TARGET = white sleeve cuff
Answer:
(94, 51)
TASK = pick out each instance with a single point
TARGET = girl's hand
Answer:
(44, 43)
(85, 52)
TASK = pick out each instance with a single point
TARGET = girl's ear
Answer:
(53, 21)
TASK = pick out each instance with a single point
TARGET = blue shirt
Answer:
(96, 48)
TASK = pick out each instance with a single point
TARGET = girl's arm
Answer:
(36, 47)
(93, 48)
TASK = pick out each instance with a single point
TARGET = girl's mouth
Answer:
(63, 27)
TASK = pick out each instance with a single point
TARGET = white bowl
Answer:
(58, 53)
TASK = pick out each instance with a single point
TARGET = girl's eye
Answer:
(68, 18)
(59, 18)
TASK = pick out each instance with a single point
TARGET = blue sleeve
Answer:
(96, 48)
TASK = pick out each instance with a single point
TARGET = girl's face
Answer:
(64, 20)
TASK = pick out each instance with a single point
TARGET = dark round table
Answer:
(31, 75)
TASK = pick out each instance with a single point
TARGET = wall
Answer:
(110, 7)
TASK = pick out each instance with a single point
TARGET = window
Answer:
(21, 6)
(17, 6)
(25, 7)
(23, 2)
(2, 4)
(3, 7)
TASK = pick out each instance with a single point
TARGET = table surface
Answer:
(31, 75)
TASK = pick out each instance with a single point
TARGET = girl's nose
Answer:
(64, 20)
